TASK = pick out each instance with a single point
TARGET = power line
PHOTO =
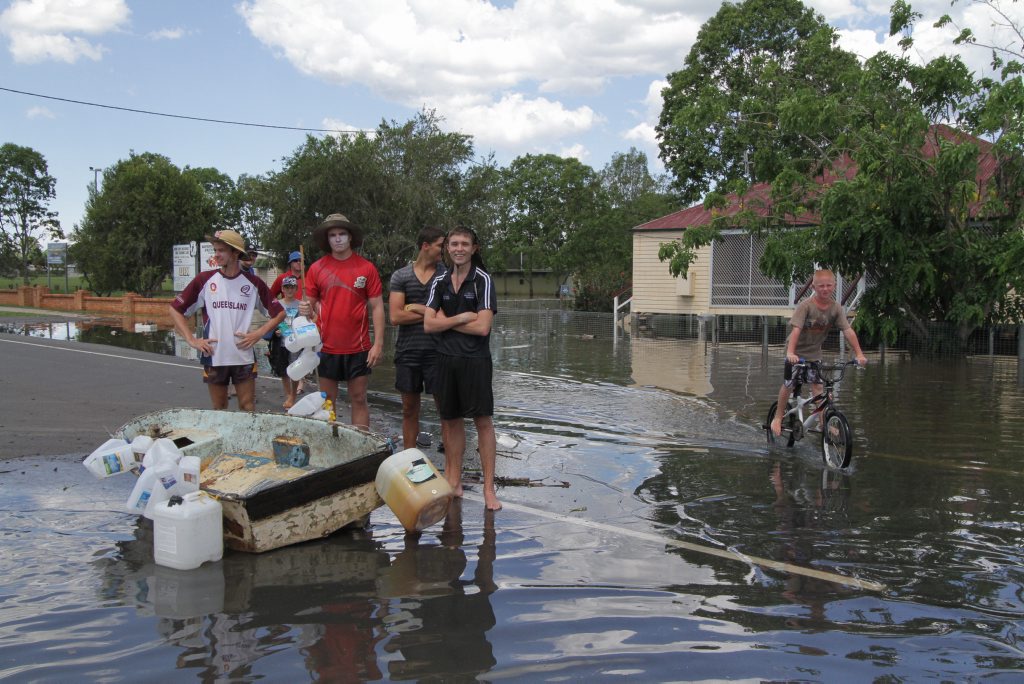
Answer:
(176, 116)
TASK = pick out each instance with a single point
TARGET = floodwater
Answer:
(682, 549)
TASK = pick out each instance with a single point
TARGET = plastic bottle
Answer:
(188, 474)
(143, 491)
(309, 404)
(165, 486)
(304, 335)
(112, 458)
(162, 449)
(300, 367)
(140, 445)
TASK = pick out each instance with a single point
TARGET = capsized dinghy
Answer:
(280, 479)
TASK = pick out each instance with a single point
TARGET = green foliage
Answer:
(146, 206)
(720, 118)
(547, 200)
(26, 190)
(392, 184)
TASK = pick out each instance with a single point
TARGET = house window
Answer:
(735, 277)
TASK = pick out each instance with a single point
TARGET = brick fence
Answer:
(129, 304)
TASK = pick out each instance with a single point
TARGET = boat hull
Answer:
(322, 481)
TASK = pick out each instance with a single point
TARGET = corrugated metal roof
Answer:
(758, 198)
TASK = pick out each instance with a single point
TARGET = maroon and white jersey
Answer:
(228, 305)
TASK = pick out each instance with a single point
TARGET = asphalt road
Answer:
(61, 397)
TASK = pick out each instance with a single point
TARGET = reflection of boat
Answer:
(281, 479)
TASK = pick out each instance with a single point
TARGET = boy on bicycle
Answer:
(811, 322)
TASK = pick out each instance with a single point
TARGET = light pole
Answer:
(95, 178)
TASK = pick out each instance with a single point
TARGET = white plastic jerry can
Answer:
(188, 531)
(113, 457)
(413, 489)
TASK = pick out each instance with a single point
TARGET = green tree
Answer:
(931, 215)
(600, 253)
(719, 121)
(26, 190)
(224, 195)
(391, 183)
(546, 200)
(146, 206)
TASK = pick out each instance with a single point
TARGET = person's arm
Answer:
(851, 337)
(377, 316)
(794, 335)
(437, 321)
(202, 345)
(479, 325)
(275, 289)
(247, 340)
(402, 313)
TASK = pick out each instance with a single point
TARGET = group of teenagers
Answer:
(443, 303)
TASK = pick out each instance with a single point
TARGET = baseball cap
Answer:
(294, 256)
(289, 281)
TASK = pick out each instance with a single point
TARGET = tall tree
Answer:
(146, 206)
(719, 121)
(392, 183)
(222, 193)
(546, 199)
(26, 190)
(902, 193)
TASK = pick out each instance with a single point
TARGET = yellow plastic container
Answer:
(413, 489)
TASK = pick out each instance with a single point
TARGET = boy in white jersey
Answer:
(228, 297)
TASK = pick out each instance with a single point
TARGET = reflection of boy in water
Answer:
(450, 640)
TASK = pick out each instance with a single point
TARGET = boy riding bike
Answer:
(811, 322)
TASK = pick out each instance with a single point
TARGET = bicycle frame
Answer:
(830, 376)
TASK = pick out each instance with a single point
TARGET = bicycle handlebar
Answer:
(829, 368)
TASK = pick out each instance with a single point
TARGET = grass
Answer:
(74, 283)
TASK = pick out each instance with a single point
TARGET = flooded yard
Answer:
(682, 549)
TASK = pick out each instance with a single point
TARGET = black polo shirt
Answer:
(476, 294)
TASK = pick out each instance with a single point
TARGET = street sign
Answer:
(184, 265)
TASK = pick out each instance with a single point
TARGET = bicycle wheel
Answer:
(836, 440)
(788, 423)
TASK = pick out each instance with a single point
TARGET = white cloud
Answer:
(39, 113)
(39, 30)
(497, 73)
(577, 151)
(166, 34)
(343, 128)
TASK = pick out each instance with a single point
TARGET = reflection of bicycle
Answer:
(802, 414)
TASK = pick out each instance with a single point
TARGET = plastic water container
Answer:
(140, 445)
(165, 486)
(302, 366)
(142, 492)
(303, 336)
(188, 531)
(309, 404)
(188, 474)
(413, 489)
(163, 449)
(112, 458)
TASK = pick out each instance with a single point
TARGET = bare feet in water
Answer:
(491, 502)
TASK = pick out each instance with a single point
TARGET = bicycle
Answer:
(836, 436)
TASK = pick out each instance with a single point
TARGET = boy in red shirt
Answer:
(343, 292)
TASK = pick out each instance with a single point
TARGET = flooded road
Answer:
(683, 548)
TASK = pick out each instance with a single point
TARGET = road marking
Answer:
(689, 546)
(113, 356)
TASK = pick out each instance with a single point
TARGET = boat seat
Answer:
(206, 444)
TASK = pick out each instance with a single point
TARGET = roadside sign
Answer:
(184, 258)
(207, 260)
(56, 253)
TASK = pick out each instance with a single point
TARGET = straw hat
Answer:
(230, 238)
(336, 221)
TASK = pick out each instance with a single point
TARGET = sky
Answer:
(579, 78)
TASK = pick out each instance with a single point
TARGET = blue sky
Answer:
(576, 77)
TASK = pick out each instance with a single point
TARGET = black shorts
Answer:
(343, 367)
(225, 375)
(805, 376)
(463, 388)
(416, 372)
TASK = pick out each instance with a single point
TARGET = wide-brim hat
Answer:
(230, 238)
(336, 221)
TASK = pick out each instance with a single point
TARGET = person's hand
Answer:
(247, 340)
(793, 358)
(373, 356)
(467, 317)
(862, 360)
(203, 345)
(305, 309)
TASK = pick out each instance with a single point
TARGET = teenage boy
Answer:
(343, 293)
(461, 306)
(228, 297)
(415, 351)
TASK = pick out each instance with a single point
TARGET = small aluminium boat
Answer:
(280, 479)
